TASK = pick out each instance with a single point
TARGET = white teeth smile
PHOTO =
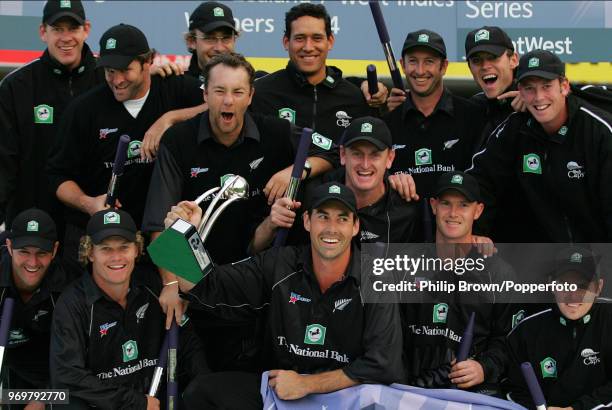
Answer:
(116, 266)
(330, 240)
(364, 174)
(31, 270)
(541, 107)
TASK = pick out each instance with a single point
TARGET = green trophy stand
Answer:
(179, 249)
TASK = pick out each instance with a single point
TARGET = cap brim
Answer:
(566, 268)
(424, 45)
(61, 14)
(488, 48)
(114, 61)
(106, 233)
(35, 241)
(538, 73)
(207, 28)
(376, 142)
(323, 200)
(459, 189)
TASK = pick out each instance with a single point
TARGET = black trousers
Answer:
(224, 391)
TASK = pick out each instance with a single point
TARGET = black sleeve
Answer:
(9, 149)
(236, 291)
(191, 357)
(69, 150)
(601, 396)
(68, 365)
(165, 189)
(515, 383)
(605, 172)
(190, 91)
(492, 167)
(381, 361)
(329, 153)
(494, 358)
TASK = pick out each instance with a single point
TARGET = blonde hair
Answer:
(86, 247)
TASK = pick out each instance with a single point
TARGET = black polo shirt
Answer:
(85, 149)
(308, 331)
(191, 161)
(107, 354)
(390, 219)
(27, 347)
(427, 147)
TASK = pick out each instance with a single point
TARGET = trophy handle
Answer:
(206, 231)
(213, 204)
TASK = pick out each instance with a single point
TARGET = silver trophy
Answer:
(234, 189)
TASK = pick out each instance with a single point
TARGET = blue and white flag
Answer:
(380, 397)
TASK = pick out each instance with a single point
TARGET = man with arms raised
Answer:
(366, 155)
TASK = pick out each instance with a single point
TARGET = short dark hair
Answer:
(306, 9)
(233, 60)
(146, 57)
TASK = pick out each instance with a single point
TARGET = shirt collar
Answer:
(353, 269)
(93, 293)
(54, 279)
(445, 104)
(333, 75)
(249, 129)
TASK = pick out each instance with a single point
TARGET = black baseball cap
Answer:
(459, 181)
(490, 39)
(210, 16)
(424, 38)
(370, 129)
(120, 44)
(333, 191)
(111, 222)
(56, 9)
(540, 63)
(579, 260)
(33, 227)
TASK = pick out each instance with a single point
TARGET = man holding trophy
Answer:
(320, 336)
(202, 153)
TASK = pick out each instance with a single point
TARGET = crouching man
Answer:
(108, 326)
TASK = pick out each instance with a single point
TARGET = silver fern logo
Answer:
(256, 163)
(368, 236)
(140, 313)
(449, 144)
(340, 304)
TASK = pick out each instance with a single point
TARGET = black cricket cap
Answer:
(459, 181)
(424, 38)
(371, 129)
(33, 227)
(490, 39)
(210, 16)
(111, 222)
(540, 63)
(56, 9)
(120, 44)
(576, 259)
(333, 191)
